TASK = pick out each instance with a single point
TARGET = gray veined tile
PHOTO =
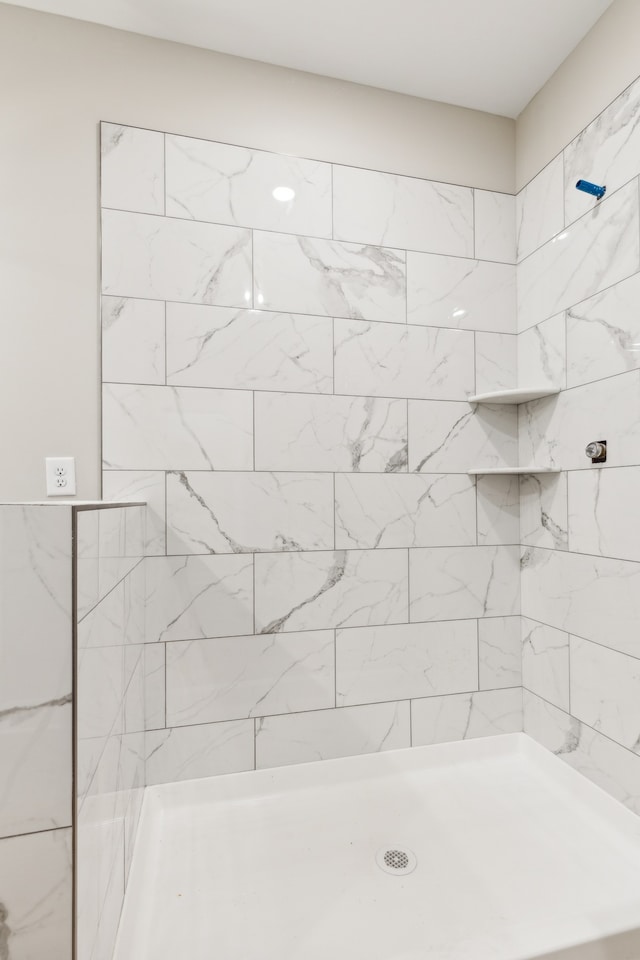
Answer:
(132, 168)
(233, 678)
(599, 520)
(499, 652)
(141, 485)
(159, 258)
(176, 428)
(607, 149)
(249, 512)
(461, 293)
(343, 434)
(454, 437)
(449, 583)
(329, 278)
(404, 510)
(603, 334)
(598, 250)
(316, 591)
(543, 511)
(133, 340)
(405, 661)
(203, 750)
(496, 362)
(605, 691)
(36, 879)
(539, 209)
(248, 349)
(465, 716)
(388, 360)
(542, 353)
(230, 184)
(593, 597)
(154, 686)
(495, 226)
(191, 597)
(498, 506)
(395, 211)
(545, 662)
(326, 734)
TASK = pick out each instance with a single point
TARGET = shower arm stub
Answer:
(587, 187)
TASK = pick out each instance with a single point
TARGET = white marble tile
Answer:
(539, 209)
(315, 591)
(387, 360)
(603, 334)
(543, 510)
(35, 607)
(249, 512)
(555, 431)
(107, 623)
(248, 349)
(592, 597)
(465, 716)
(328, 278)
(605, 691)
(159, 258)
(448, 583)
(603, 515)
(110, 774)
(154, 686)
(496, 362)
(498, 507)
(545, 662)
(100, 885)
(445, 436)
(494, 226)
(207, 750)
(36, 893)
(110, 692)
(404, 510)
(607, 764)
(121, 544)
(132, 168)
(230, 184)
(606, 152)
(499, 652)
(407, 660)
(132, 340)
(191, 597)
(352, 434)
(240, 677)
(141, 485)
(460, 293)
(600, 249)
(35, 746)
(381, 208)
(176, 428)
(542, 353)
(326, 734)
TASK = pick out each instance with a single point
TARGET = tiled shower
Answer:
(288, 351)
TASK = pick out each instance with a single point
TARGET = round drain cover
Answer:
(396, 860)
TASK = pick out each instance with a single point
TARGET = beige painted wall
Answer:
(58, 79)
(598, 70)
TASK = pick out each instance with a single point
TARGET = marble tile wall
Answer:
(578, 289)
(116, 692)
(286, 383)
(36, 737)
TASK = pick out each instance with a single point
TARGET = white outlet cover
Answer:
(61, 476)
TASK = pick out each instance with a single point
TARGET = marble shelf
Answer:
(518, 395)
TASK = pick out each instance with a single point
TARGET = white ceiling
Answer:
(491, 55)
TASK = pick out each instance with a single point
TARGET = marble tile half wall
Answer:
(288, 349)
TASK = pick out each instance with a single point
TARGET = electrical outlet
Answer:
(61, 476)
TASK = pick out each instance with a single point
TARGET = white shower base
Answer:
(518, 856)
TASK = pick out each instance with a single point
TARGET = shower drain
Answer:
(397, 861)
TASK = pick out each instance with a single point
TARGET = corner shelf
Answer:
(518, 395)
(509, 471)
